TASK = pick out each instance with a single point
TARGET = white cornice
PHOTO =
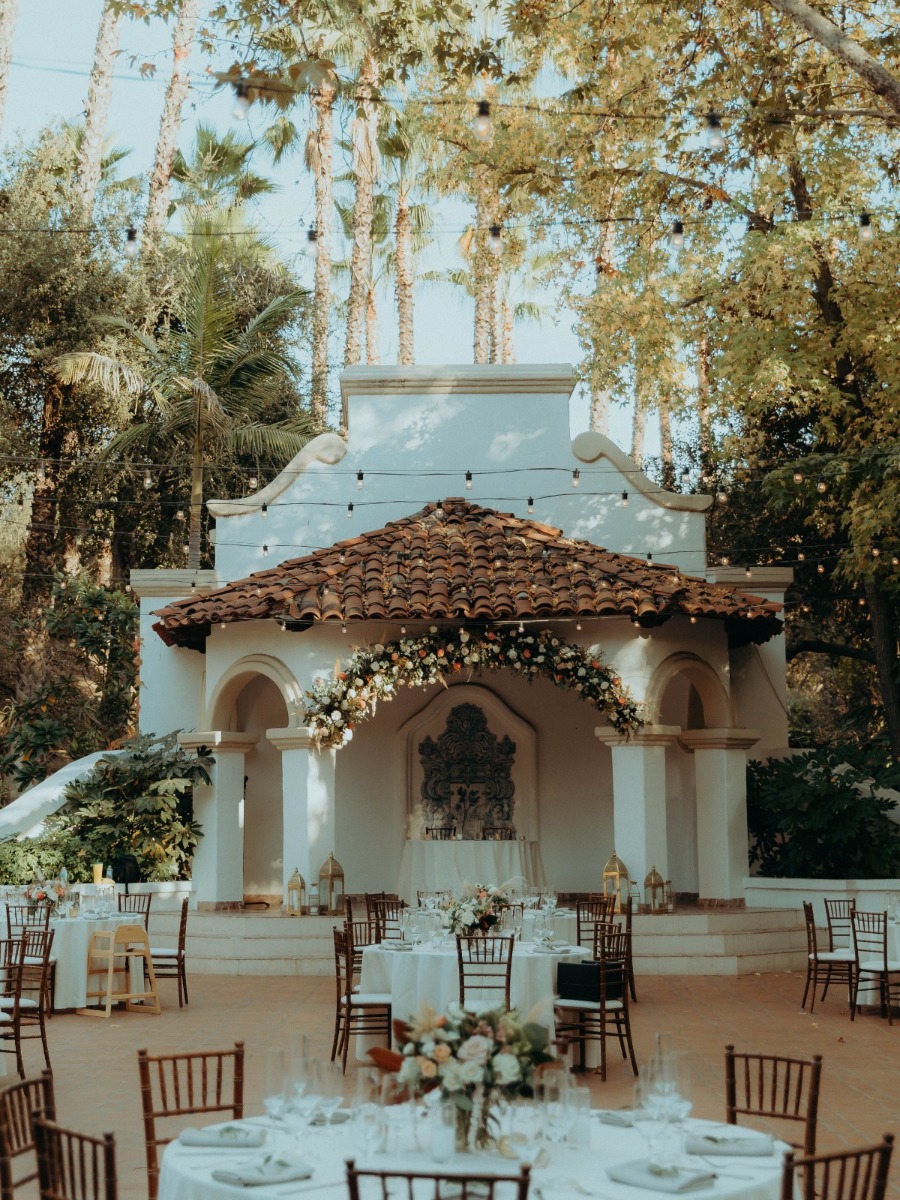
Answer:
(458, 380)
(590, 446)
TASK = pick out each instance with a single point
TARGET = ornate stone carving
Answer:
(467, 775)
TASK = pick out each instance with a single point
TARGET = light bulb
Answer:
(521, 627)
(343, 628)
(241, 101)
(468, 481)
(578, 627)
(265, 551)
(725, 560)
(483, 127)
(748, 572)
(495, 239)
(531, 504)
(179, 514)
(801, 557)
(131, 242)
(624, 499)
(349, 510)
(875, 551)
(715, 136)
(866, 228)
(821, 569)
(798, 477)
(265, 511)
(148, 480)
(722, 497)
(360, 477)
(676, 237)
(576, 477)
(254, 483)
(821, 486)
(312, 242)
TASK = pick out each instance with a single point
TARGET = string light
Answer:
(798, 477)
(875, 551)
(725, 561)
(693, 620)
(349, 510)
(576, 477)
(343, 627)
(676, 237)
(521, 627)
(483, 127)
(360, 478)
(495, 239)
(241, 101)
(821, 486)
(148, 479)
(265, 551)
(131, 242)
(624, 499)
(312, 242)
(722, 497)
(468, 481)
(578, 627)
(685, 474)
(264, 511)
(179, 514)
(403, 631)
(715, 136)
(821, 569)
(748, 572)
(801, 557)
(866, 228)
(193, 585)
(531, 504)
(253, 483)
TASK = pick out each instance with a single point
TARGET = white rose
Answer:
(472, 1072)
(475, 1049)
(506, 1069)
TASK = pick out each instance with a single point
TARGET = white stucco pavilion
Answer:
(672, 796)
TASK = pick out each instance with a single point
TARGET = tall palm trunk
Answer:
(167, 142)
(508, 336)
(704, 399)
(403, 283)
(9, 14)
(665, 442)
(90, 158)
(323, 165)
(639, 419)
(600, 398)
(196, 515)
(481, 268)
(365, 171)
(373, 336)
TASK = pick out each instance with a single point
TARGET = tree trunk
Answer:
(600, 400)
(167, 142)
(869, 69)
(404, 281)
(599, 419)
(704, 397)
(373, 338)
(639, 419)
(481, 269)
(196, 515)
(323, 107)
(885, 646)
(365, 171)
(665, 442)
(43, 546)
(90, 158)
(9, 14)
(509, 338)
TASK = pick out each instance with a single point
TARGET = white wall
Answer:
(260, 707)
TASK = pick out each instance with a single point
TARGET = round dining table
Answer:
(71, 939)
(311, 1161)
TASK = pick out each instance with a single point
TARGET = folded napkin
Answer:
(277, 1169)
(239, 1136)
(615, 1116)
(640, 1173)
(389, 944)
(553, 948)
(744, 1143)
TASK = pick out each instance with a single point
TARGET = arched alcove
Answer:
(260, 706)
(221, 704)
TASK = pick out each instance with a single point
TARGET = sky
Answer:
(53, 50)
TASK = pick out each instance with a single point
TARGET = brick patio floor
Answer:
(96, 1078)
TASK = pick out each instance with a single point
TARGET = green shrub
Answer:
(139, 801)
(816, 816)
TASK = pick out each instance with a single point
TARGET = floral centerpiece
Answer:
(475, 1059)
(476, 910)
(49, 892)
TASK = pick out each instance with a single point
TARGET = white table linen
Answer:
(72, 936)
(563, 924)
(445, 866)
(187, 1172)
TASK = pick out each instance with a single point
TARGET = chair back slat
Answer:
(839, 915)
(461, 1187)
(485, 968)
(19, 1102)
(181, 1085)
(842, 1175)
(136, 902)
(774, 1086)
(74, 1166)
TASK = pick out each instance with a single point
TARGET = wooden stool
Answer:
(116, 952)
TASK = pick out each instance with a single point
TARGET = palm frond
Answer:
(109, 374)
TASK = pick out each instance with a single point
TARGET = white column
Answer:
(307, 792)
(218, 868)
(639, 797)
(720, 772)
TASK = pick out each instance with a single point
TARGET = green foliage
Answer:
(76, 663)
(818, 815)
(138, 802)
(22, 861)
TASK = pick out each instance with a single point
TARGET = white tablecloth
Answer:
(564, 926)
(429, 976)
(187, 1172)
(70, 949)
(440, 866)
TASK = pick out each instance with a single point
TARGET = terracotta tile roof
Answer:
(459, 561)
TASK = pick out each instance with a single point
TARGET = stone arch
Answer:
(221, 704)
(718, 711)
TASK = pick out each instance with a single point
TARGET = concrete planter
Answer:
(873, 894)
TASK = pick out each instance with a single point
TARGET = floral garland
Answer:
(334, 706)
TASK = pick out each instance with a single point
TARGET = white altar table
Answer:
(445, 866)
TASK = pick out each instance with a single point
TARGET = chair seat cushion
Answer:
(877, 965)
(835, 956)
(164, 951)
(588, 1005)
(368, 998)
(24, 1002)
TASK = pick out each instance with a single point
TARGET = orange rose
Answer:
(441, 1052)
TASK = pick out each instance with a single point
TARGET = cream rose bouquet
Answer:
(474, 1058)
(477, 910)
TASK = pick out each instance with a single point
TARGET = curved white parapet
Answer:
(588, 447)
(25, 816)
(327, 448)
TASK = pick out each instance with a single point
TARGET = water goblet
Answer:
(331, 1090)
(558, 1109)
(648, 1116)
(397, 1112)
(275, 1084)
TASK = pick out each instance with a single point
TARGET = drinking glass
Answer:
(275, 1084)
(648, 1115)
(397, 1110)
(558, 1110)
(368, 1128)
(307, 1091)
(442, 1120)
(331, 1090)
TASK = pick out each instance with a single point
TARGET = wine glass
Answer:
(275, 1084)
(397, 1101)
(648, 1115)
(558, 1110)
(308, 1094)
(331, 1090)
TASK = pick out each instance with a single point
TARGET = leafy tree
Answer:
(823, 815)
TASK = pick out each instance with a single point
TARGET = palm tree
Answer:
(366, 160)
(204, 382)
(9, 14)
(166, 143)
(96, 109)
(217, 171)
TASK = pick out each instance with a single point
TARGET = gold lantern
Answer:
(296, 894)
(331, 886)
(655, 892)
(616, 881)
